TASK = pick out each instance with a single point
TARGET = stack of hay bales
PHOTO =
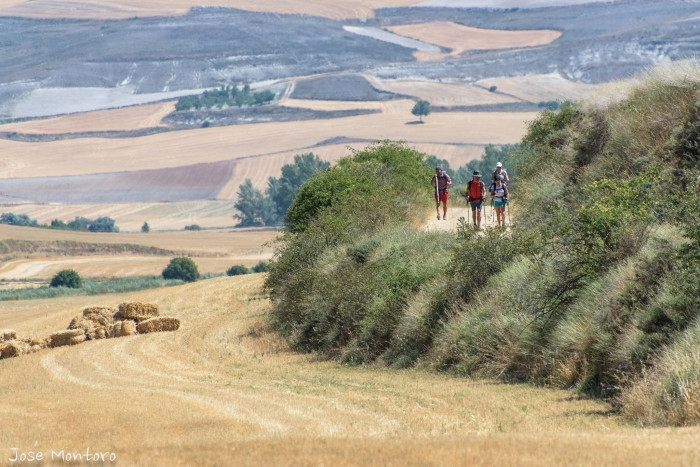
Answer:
(97, 322)
(11, 346)
(68, 337)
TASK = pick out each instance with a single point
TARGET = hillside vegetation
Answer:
(594, 288)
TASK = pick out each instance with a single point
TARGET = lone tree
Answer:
(67, 278)
(422, 108)
(181, 268)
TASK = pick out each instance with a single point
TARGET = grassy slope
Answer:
(593, 290)
(222, 389)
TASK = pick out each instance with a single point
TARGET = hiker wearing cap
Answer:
(476, 192)
(501, 173)
(441, 181)
(499, 194)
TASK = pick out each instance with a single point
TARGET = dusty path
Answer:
(225, 391)
(454, 213)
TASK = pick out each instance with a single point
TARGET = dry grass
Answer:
(341, 9)
(460, 38)
(215, 393)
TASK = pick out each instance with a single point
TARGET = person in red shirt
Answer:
(441, 181)
(476, 192)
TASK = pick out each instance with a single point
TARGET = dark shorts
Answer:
(499, 203)
(476, 205)
(443, 197)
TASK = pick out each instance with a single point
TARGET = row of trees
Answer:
(257, 208)
(83, 224)
(229, 96)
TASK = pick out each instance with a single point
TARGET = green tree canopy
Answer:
(181, 268)
(254, 207)
(67, 278)
(283, 190)
(421, 109)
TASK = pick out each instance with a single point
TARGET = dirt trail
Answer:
(454, 213)
(225, 390)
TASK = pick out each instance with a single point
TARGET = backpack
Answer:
(472, 190)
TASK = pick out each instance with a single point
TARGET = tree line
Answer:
(81, 224)
(270, 208)
(229, 96)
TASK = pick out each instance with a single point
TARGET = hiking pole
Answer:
(508, 210)
(437, 197)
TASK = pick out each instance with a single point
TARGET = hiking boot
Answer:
(438, 216)
(444, 217)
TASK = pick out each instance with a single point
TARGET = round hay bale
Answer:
(159, 324)
(126, 327)
(138, 311)
(9, 349)
(7, 335)
(101, 315)
(68, 337)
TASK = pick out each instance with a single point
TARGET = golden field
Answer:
(214, 251)
(224, 390)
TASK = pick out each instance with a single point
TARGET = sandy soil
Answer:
(116, 9)
(460, 38)
(223, 390)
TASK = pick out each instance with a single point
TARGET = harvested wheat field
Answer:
(223, 390)
(538, 88)
(41, 253)
(179, 148)
(117, 9)
(460, 38)
(125, 119)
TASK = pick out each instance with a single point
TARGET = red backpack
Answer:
(474, 190)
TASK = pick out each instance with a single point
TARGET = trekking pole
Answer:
(437, 197)
(508, 210)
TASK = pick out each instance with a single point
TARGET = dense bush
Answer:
(261, 266)
(67, 278)
(236, 270)
(181, 268)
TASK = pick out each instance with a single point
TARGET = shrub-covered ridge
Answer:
(594, 288)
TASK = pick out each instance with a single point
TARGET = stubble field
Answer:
(225, 390)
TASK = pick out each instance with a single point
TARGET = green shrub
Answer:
(260, 267)
(67, 278)
(181, 268)
(237, 270)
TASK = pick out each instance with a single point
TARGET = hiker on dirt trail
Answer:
(499, 173)
(441, 181)
(476, 192)
(499, 193)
